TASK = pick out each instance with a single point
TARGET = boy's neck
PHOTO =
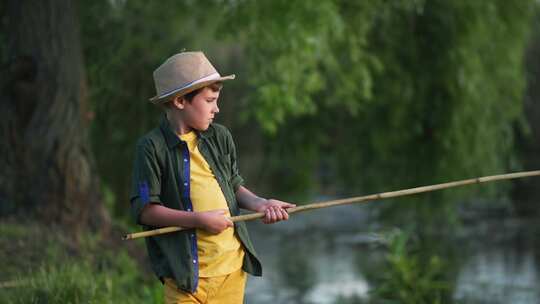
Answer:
(177, 125)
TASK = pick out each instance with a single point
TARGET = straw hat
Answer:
(183, 73)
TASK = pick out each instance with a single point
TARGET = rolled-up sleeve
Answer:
(146, 179)
(236, 179)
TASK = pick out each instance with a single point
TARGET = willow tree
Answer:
(361, 96)
(527, 192)
(378, 95)
(47, 167)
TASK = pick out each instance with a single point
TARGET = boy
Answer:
(185, 174)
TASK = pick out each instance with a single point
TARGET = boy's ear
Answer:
(179, 102)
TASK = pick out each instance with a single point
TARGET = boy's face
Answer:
(200, 112)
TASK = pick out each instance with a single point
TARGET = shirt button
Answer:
(185, 184)
(185, 160)
(194, 261)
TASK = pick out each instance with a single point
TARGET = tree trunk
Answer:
(48, 169)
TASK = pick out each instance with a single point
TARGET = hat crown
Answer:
(183, 73)
(180, 70)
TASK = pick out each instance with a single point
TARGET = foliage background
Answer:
(332, 97)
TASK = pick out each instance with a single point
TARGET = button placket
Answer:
(189, 208)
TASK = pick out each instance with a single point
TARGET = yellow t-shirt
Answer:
(222, 253)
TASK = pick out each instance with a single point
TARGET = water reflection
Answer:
(315, 259)
(306, 270)
(305, 264)
(499, 275)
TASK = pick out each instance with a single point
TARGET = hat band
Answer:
(192, 83)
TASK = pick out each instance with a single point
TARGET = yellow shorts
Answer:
(227, 289)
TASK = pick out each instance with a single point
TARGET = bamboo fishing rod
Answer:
(351, 200)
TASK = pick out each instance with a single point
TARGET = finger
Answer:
(270, 215)
(284, 214)
(279, 214)
(266, 217)
(229, 223)
(275, 215)
(216, 228)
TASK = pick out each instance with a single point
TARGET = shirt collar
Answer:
(173, 140)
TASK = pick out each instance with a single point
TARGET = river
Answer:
(326, 256)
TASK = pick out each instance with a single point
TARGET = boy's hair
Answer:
(215, 87)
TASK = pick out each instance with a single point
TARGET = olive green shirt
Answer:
(161, 176)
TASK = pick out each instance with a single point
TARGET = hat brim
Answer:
(186, 90)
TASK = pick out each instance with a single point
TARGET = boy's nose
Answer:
(216, 109)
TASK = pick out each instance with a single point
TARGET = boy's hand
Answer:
(214, 221)
(275, 211)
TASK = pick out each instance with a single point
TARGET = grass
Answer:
(40, 264)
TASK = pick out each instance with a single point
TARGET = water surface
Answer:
(319, 256)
